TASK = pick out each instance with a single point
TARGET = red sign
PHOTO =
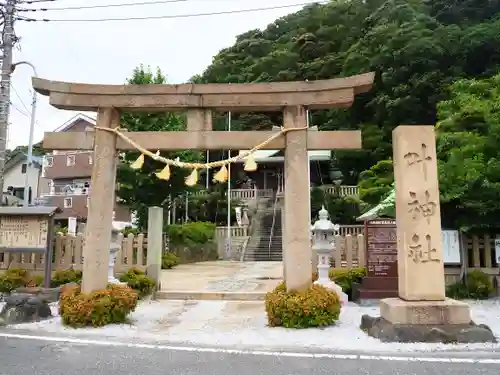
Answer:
(381, 248)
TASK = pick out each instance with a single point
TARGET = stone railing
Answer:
(246, 194)
(343, 190)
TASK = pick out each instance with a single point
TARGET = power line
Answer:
(20, 99)
(175, 16)
(102, 6)
(19, 110)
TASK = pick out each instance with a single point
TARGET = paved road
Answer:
(41, 357)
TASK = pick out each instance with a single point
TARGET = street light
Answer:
(32, 130)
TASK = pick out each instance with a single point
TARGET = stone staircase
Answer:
(262, 246)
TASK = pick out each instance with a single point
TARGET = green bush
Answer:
(96, 309)
(139, 281)
(130, 230)
(169, 260)
(61, 277)
(35, 281)
(345, 277)
(190, 233)
(12, 279)
(478, 285)
(314, 307)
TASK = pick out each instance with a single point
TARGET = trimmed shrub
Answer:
(314, 307)
(192, 242)
(35, 281)
(345, 277)
(138, 281)
(190, 233)
(62, 277)
(478, 285)
(109, 306)
(169, 260)
(12, 279)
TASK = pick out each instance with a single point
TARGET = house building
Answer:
(69, 174)
(15, 173)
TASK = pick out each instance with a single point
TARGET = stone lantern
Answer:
(114, 247)
(323, 239)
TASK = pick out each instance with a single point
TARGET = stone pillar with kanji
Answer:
(422, 313)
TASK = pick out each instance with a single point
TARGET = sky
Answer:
(107, 52)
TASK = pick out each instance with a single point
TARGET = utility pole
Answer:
(8, 40)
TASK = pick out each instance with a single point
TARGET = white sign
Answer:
(451, 246)
(72, 225)
(497, 250)
(238, 215)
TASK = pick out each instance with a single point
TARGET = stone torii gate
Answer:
(199, 100)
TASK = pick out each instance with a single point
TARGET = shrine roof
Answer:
(28, 211)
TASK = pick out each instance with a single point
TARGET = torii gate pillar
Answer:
(297, 252)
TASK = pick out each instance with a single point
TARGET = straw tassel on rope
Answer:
(221, 175)
(192, 179)
(164, 174)
(138, 163)
(250, 164)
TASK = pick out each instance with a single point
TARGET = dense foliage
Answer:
(417, 49)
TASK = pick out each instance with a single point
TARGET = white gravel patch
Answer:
(210, 323)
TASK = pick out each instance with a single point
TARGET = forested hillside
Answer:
(418, 49)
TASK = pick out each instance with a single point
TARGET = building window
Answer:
(91, 160)
(23, 168)
(49, 161)
(68, 202)
(70, 160)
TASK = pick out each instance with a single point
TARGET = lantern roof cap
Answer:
(324, 224)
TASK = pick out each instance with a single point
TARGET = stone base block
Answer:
(24, 308)
(449, 311)
(386, 331)
(447, 321)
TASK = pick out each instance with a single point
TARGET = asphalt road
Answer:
(41, 357)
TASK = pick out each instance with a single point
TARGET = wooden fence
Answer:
(479, 254)
(68, 252)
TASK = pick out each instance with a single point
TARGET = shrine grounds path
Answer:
(44, 357)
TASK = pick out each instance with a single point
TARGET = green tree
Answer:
(414, 47)
(140, 189)
(469, 164)
(417, 48)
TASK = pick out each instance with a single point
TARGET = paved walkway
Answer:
(223, 276)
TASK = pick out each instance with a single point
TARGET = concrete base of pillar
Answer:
(447, 321)
(449, 311)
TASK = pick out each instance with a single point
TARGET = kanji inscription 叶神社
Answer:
(199, 100)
